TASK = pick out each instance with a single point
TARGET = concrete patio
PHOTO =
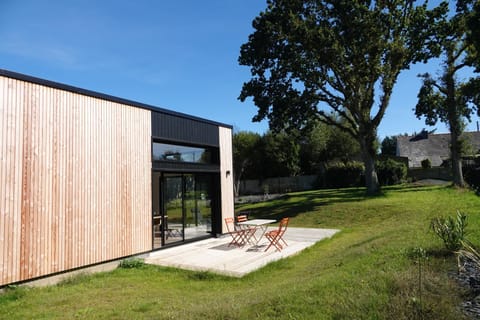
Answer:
(216, 256)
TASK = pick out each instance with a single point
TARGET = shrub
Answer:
(451, 230)
(131, 263)
(342, 175)
(426, 163)
(391, 172)
(471, 174)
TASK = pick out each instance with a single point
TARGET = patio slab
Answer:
(216, 256)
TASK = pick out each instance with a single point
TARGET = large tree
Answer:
(325, 143)
(447, 98)
(389, 146)
(473, 29)
(245, 144)
(280, 155)
(311, 57)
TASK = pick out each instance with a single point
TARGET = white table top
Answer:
(257, 222)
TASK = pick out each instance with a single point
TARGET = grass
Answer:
(370, 270)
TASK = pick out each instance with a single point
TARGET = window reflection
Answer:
(171, 152)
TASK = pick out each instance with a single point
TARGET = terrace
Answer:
(214, 254)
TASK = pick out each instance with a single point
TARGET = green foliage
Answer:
(244, 145)
(426, 163)
(131, 263)
(280, 155)
(312, 55)
(446, 98)
(341, 175)
(472, 177)
(391, 172)
(451, 230)
(12, 293)
(472, 9)
(324, 143)
(389, 146)
(361, 273)
(266, 156)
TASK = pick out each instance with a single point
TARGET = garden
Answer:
(387, 262)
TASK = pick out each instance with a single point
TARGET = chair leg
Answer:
(275, 241)
(238, 238)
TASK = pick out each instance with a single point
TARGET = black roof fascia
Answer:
(103, 96)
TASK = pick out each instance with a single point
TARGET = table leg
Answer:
(263, 230)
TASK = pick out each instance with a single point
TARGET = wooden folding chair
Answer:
(276, 236)
(238, 235)
(242, 218)
(249, 230)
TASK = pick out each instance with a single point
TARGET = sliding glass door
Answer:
(182, 207)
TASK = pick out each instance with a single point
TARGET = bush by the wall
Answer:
(471, 172)
(341, 175)
(391, 172)
(426, 163)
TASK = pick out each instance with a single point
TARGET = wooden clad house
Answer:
(87, 178)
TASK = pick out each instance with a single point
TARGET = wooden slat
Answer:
(75, 183)
(226, 180)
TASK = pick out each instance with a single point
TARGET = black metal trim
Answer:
(103, 96)
(168, 167)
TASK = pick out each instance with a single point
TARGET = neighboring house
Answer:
(87, 178)
(435, 147)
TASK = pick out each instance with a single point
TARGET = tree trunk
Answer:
(454, 121)
(371, 179)
(368, 155)
(456, 160)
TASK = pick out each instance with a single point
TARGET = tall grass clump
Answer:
(451, 230)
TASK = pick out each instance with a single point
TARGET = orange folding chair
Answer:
(239, 236)
(242, 218)
(249, 230)
(276, 236)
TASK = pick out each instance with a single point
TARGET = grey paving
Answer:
(216, 256)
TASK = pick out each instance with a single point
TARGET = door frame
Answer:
(215, 197)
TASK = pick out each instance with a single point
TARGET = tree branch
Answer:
(330, 121)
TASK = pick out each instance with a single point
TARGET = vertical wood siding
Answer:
(226, 181)
(75, 180)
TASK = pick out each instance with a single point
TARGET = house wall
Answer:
(226, 174)
(75, 180)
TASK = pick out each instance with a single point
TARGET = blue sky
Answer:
(180, 55)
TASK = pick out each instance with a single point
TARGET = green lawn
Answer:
(367, 271)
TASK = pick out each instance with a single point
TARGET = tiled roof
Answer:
(435, 147)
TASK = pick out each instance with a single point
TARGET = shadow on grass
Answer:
(293, 204)
(417, 188)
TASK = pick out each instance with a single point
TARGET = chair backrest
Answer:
(282, 226)
(242, 218)
(230, 222)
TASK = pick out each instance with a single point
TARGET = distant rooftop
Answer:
(435, 147)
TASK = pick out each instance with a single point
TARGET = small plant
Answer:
(426, 163)
(451, 230)
(419, 255)
(131, 263)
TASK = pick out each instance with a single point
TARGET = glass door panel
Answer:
(156, 211)
(191, 214)
(173, 208)
(182, 207)
(204, 202)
